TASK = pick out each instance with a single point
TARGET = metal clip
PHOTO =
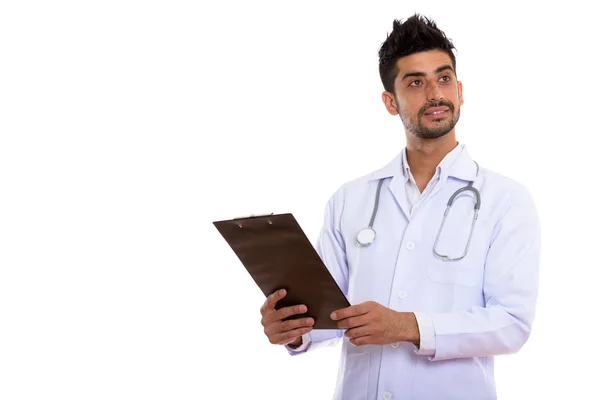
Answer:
(253, 216)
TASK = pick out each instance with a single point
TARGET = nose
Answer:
(434, 93)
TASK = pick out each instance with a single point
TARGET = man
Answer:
(435, 296)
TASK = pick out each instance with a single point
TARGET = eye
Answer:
(415, 83)
(445, 78)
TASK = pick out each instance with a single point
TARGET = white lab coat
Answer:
(478, 307)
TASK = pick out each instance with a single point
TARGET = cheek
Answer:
(409, 113)
(412, 102)
(454, 96)
(409, 108)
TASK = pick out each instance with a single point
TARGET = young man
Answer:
(437, 292)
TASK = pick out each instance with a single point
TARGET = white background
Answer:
(127, 127)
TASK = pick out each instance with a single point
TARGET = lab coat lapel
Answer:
(398, 188)
(438, 186)
(397, 184)
(463, 168)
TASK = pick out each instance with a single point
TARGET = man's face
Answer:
(427, 95)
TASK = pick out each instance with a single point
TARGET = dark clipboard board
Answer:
(277, 254)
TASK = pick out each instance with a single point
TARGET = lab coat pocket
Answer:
(355, 383)
(464, 272)
(453, 273)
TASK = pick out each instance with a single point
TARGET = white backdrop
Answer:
(127, 127)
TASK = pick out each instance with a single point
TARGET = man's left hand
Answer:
(372, 323)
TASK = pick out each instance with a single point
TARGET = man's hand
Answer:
(372, 323)
(284, 332)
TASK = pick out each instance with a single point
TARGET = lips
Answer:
(436, 110)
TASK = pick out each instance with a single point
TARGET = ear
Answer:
(389, 102)
(460, 93)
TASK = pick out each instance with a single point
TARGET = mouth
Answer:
(437, 112)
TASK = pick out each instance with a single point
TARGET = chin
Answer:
(432, 135)
(425, 133)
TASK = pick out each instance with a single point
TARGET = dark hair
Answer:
(416, 34)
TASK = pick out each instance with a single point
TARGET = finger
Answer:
(272, 299)
(277, 316)
(348, 312)
(281, 327)
(355, 333)
(285, 312)
(361, 341)
(296, 323)
(352, 322)
(285, 337)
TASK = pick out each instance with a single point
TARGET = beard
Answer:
(438, 127)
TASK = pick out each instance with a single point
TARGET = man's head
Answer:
(418, 72)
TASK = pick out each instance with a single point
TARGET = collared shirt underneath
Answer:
(415, 197)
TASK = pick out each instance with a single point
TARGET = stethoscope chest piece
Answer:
(366, 236)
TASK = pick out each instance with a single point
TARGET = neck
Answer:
(424, 155)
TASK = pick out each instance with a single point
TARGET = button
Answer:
(402, 294)
(395, 345)
(387, 395)
(410, 245)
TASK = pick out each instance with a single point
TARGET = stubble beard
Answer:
(440, 128)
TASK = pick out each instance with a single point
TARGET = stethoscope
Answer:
(366, 236)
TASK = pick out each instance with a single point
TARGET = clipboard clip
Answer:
(253, 216)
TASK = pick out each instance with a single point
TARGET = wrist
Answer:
(416, 333)
(409, 328)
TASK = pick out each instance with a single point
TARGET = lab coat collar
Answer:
(464, 167)
(442, 168)
(459, 166)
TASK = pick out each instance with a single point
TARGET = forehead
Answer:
(425, 61)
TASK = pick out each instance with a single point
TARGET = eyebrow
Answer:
(420, 74)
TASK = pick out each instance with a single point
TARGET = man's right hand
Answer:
(284, 332)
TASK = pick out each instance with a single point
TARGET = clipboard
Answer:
(277, 254)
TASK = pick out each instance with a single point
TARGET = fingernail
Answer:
(333, 315)
(303, 309)
(282, 292)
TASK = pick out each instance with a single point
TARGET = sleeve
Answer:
(332, 250)
(426, 333)
(510, 290)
